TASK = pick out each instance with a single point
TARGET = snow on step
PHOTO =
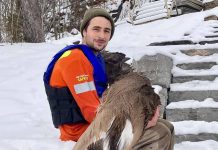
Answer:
(152, 13)
(195, 85)
(195, 56)
(201, 145)
(208, 102)
(206, 110)
(152, 5)
(198, 65)
(150, 10)
(203, 114)
(190, 78)
(176, 71)
(200, 52)
(147, 19)
(175, 96)
(195, 127)
(195, 131)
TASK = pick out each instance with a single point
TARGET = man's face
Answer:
(98, 33)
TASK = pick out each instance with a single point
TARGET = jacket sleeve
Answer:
(78, 75)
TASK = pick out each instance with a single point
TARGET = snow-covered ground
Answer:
(25, 120)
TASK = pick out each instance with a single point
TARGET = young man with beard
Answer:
(75, 79)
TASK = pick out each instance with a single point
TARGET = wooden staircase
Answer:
(152, 11)
(187, 6)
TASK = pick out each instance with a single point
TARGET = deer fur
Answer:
(127, 105)
(130, 98)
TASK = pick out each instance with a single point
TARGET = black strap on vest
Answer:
(63, 107)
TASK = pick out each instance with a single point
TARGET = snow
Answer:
(208, 102)
(180, 72)
(126, 136)
(207, 1)
(25, 119)
(195, 127)
(157, 88)
(203, 145)
(195, 85)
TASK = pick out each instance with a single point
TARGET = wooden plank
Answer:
(182, 2)
(150, 10)
(152, 18)
(190, 4)
(152, 13)
(198, 2)
(193, 5)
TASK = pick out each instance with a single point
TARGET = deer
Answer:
(126, 110)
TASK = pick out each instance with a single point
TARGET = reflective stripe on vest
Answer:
(84, 87)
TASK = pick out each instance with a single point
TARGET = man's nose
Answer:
(102, 34)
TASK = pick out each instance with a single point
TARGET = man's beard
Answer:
(95, 48)
(93, 44)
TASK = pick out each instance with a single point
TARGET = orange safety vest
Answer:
(74, 70)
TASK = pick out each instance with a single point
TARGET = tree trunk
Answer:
(32, 21)
(1, 22)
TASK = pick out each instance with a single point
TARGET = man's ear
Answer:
(84, 32)
(154, 119)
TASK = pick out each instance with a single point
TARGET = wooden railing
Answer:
(170, 9)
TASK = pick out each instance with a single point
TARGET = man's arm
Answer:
(78, 75)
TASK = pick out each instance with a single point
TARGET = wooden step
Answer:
(149, 10)
(150, 5)
(150, 14)
(196, 4)
(148, 19)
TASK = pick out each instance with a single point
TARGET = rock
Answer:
(212, 17)
(74, 31)
(210, 5)
(76, 42)
(157, 68)
(163, 98)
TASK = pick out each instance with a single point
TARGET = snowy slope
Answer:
(25, 121)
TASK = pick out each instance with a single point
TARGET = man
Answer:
(75, 79)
